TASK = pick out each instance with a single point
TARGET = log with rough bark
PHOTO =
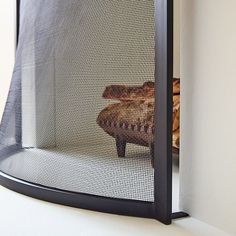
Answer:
(132, 119)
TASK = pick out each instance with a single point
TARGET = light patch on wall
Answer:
(7, 48)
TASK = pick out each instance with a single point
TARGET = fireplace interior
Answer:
(68, 53)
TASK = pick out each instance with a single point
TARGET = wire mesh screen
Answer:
(82, 94)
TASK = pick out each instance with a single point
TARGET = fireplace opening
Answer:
(80, 116)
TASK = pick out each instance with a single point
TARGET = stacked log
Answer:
(131, 120)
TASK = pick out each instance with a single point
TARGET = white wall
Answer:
(109, 43)
(120, 50)
(7, 48)
(208, 149)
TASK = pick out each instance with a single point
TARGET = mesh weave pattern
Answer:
(68, 52)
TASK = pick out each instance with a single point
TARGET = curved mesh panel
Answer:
(68, 53)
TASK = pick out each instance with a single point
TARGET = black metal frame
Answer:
(17, 20)
(161, 208)
(163, 118)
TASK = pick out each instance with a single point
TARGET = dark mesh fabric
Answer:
(10, 128)
(69, 51)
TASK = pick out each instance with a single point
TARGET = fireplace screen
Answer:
(79, 123)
